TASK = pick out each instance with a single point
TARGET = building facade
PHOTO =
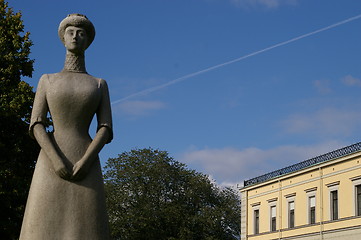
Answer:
(319, 198)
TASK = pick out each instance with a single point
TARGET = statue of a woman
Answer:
(66, 199)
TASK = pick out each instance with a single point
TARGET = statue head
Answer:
(78, 23)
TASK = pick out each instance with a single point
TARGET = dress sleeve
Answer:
(104, 113)
(40, 106)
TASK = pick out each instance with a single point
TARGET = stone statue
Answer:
(66, 199)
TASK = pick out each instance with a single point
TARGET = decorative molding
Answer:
(290, 195)
(355, 178)
(332, 184)
(305, 164)
(272, 200)
(314, 189)
(306, 181)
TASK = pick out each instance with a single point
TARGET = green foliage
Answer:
(16, 95)
(18, 151)
(152, 196)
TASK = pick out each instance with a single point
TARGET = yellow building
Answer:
(319, 198)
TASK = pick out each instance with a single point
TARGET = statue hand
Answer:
(80, 170)
(62, 171)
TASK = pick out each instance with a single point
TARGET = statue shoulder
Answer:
(50, 77)
(101, 82)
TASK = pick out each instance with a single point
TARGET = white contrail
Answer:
(180, 79)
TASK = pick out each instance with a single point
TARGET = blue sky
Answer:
(238, 121)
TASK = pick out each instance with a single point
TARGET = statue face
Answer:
(75, 39)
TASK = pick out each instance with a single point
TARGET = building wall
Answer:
(340, 174)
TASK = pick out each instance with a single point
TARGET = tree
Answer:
(152, 196)
(18, 151)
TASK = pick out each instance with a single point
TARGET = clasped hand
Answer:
(79, 171)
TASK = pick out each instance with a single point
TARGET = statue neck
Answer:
(74, 63)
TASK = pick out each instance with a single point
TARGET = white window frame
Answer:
(310, 208)
(310, 194)
(333, 187)
(356, 181)
(289, 200)
(272, 204)
(256, 207)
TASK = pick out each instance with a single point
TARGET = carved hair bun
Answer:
(77, 20)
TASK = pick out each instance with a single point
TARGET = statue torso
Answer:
(73, 99)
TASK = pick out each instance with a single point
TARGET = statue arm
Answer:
(42, 137)
(81, 168)
(38, 131)
(103, 136)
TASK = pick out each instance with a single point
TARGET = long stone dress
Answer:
(57, 208)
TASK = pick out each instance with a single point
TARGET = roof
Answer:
(305, 164)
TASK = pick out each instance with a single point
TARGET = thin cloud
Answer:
(324, 122)
(322, 86)
(183, 78)
(139, 108)
(351, 81)
(229, 166)
(268, 4)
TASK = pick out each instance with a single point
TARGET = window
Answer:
(358, 200)
(256, 221)
(312, 209)
(291, 214)
(256, 206)
(273, 218)
(357, 194)
(272, 203)
(334, 205)
(333, 200)
(311, 204)
(290, 200)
